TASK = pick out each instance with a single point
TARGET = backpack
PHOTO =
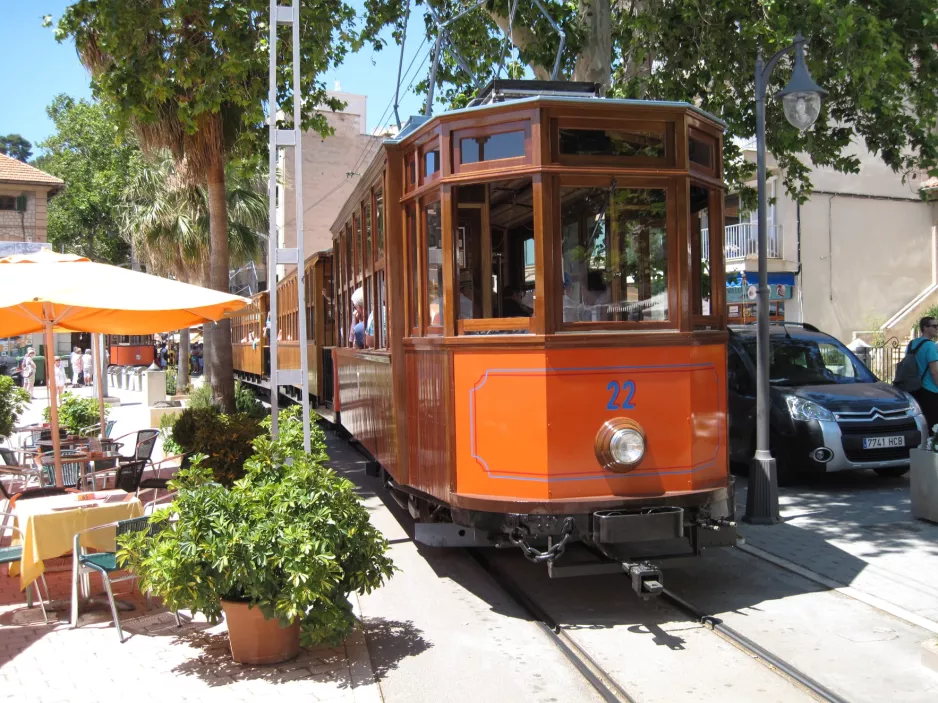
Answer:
(907, 375)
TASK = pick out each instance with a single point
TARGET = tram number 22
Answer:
(622, 394)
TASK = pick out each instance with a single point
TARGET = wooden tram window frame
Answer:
(432, 144)
(677, 238)
(696, 130)
(430, 330)
(667, 126)
(410, 160)
(412, 258)
(488, 130)
(717, 319)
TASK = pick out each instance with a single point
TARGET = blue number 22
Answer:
(628, 387)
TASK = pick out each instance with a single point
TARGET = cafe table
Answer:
(49, 526)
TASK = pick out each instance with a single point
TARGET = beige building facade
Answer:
(858, 254)
(331, 168)
(24, 194)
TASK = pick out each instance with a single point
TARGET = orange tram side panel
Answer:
(526, 421)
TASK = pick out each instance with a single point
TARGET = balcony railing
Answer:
(741, 241)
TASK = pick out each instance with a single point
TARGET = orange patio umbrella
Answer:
(44, 291)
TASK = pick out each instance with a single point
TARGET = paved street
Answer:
(856, 529)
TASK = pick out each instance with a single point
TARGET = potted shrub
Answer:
(225, 440)
(77, 413)
(278, 552)
(924, 480)
(13, 401)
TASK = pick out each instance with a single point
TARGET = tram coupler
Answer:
(647, 580)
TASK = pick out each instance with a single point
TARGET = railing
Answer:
(742, 240)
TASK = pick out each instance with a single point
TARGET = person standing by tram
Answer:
(356, 336)
(29, 371)
(925, 353)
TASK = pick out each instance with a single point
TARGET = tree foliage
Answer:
(166, 217)
(879, 60)
(97, 163)
(16, 146)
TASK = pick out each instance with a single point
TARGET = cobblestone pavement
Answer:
(856, 529)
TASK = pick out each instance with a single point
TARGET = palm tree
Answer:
(167, 220)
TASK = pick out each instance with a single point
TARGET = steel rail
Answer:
(586, 666)
(714, 623)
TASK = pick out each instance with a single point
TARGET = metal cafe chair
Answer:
(71, 470)
(161, 483)
(105, 563)
(143, 445)
(13, 554)
(92, 430)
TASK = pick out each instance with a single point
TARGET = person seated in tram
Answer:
(597, 296)
(356, 336)
(466, 306)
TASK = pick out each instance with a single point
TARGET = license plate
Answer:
(883, 442)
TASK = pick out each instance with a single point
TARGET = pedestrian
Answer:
(356, 337)
(29, 371)
(75, 361)
(87, 367)
(926, 357)
(60, 379)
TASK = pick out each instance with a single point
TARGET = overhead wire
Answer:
(373, 144)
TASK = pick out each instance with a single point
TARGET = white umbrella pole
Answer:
(53, 399)
(99, 377)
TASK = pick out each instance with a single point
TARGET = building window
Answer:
(7, 202)
(491, 147)
(614, 252)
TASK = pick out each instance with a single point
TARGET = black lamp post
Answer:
(801, 100)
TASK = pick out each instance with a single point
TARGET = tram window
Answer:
(379, 223)
(495, 252)
(412, 267)
(614, 251)
(411, 169)
(381, 313)
(431, 163)
(367, 249)
(613, 142)
(700, 250)
(434, 239)
(490, 147)
(700, 152)
(359, 264)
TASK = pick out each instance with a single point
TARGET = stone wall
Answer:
(29, 226)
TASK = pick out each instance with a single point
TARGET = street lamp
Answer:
(801, 99)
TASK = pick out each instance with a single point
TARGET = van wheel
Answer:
(892, 471)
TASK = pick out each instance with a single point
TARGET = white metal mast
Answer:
(287, 15)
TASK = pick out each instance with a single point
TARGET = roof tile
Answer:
(13, 171)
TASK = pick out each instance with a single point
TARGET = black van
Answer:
(828, 411)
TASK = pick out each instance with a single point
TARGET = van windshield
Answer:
(807, 362)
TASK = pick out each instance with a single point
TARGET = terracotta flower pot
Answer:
(256, 640)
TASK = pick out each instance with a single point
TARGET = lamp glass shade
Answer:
(802, 108)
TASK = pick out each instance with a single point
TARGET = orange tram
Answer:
(545, 351)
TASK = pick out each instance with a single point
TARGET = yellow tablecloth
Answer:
(49, 529)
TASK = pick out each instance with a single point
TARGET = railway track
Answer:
(602, 681)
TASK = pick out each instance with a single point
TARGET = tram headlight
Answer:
(627, 446)
(620, 444)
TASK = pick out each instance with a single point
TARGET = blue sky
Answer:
(37, 68)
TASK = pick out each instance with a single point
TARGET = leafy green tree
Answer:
(96, 163)
(879, 60)
(165, 217)
(191, 76)
(16, 146)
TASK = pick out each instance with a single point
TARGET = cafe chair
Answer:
(94, 430)
(12, 555)
(105, 563)
(161, 483)
(71, 470)
(143, 445)
(128, 476)
(13, 462)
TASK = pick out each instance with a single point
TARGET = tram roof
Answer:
(417, 121)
